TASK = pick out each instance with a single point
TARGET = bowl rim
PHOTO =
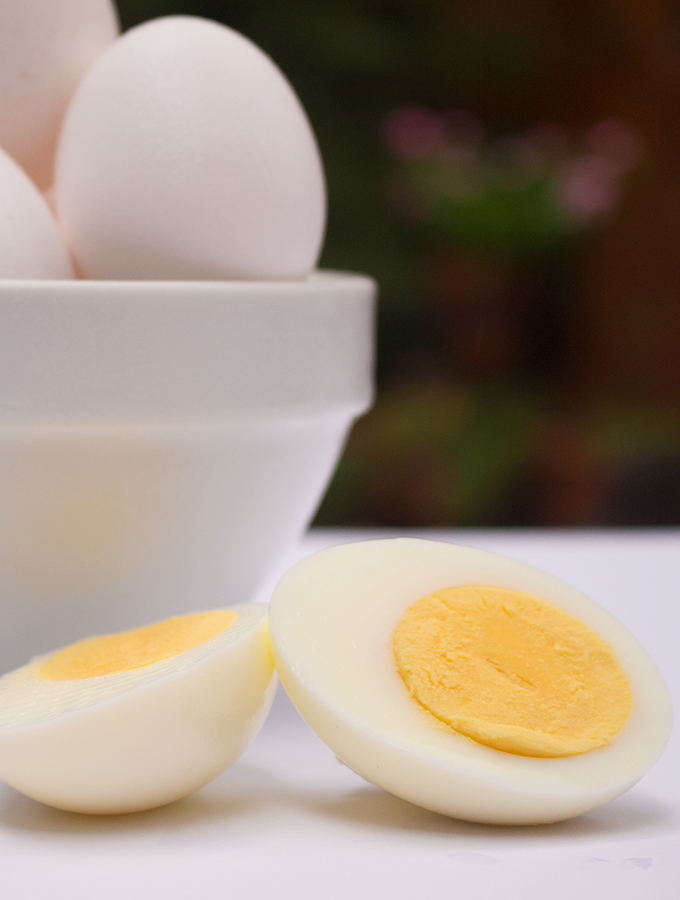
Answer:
(84, 351)
(319, 278)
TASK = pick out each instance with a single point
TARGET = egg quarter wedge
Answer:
(143, 737)
(332, 621)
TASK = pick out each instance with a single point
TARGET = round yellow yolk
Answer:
(511, 671)
(132, 649)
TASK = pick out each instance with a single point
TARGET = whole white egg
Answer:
(31, 245)
(186, 154)
(332, 617)
(46, 46)
(136, 739)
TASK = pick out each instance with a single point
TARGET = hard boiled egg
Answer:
(186, 154)
(134, 720)
(31, 245)
(467, 682)
(45, 49)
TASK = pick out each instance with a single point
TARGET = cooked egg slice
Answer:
(131, 721)
(467, 682)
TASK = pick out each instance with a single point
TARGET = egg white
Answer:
(138, 739)
(331, 622)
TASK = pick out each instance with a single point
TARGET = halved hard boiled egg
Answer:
(466, 682)
(131, 721)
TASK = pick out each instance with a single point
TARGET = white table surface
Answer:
(289, 822)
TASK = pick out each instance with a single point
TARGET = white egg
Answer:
(186, 154)
(45, 49)
(137, 739)
(31, 245)
(331, 620)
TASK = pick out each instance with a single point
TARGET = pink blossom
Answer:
(588, 186)
(414, 132)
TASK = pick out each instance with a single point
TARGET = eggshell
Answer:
(331, 621)
(31, 245)
(140, 738)
(185, 154)
(46, 46)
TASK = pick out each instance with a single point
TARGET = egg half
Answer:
(353, 649)
(132, 721)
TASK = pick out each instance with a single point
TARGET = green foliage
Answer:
(504, 220)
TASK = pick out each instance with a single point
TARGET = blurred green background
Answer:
(508, 172)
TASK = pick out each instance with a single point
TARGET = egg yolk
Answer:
(127, 650)
(511, 671)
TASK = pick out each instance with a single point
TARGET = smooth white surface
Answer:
(31, 245)
(45, 49)
(119, 352)
(185, 153)
(288, 821)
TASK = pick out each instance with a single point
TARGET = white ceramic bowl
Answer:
(163, 443)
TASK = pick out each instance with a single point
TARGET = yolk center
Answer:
(127, 650)
(511, 671)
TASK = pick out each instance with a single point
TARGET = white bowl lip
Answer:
(116, 351)
(318, 278)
